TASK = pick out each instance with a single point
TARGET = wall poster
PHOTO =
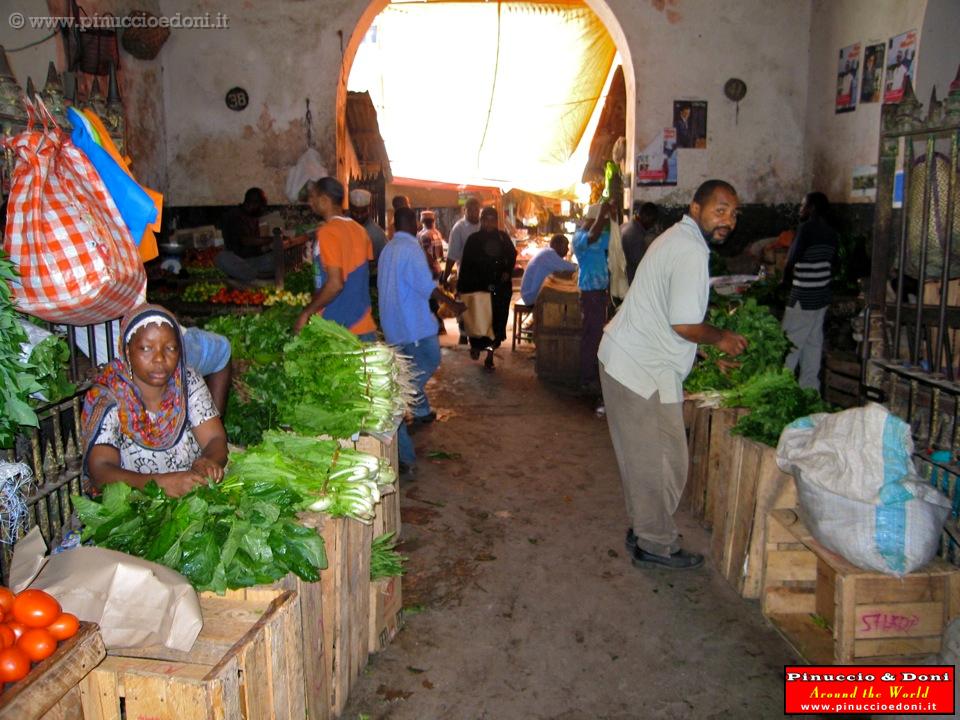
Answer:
(901, 52)
(657, 162)
(690, 122)
(847, 69)
(871, 83)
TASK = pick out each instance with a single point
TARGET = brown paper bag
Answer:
(478, 319)
(134, 601)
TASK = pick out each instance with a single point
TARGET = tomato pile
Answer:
(32, 625)
(200, 258)
(237, 297)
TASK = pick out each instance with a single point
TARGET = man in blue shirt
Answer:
(544, 263)
(590, 245)
(406, 285)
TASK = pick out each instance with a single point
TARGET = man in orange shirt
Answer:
(341, 259)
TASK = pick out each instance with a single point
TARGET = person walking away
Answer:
(432, 242)
(487, 266)
(547, 261)
(406, 285)
(342, 253)
(590, 244)
(461, 230)
(808, 274)
(637, 235)
(647, 350)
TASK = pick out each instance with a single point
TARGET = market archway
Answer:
(600, 8)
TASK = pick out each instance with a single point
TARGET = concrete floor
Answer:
(521, 600)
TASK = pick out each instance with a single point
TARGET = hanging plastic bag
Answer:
(77, 261)
(309, 167)
(859, 492)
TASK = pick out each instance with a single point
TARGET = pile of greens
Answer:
(50, 358)
(218, 539)
(335, 385)
(385, 561)
(766, 349)
(257, 338)
(341, 482)
(17, 381)
(775, 400)
(300, 281)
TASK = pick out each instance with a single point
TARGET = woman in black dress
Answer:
(487, 266)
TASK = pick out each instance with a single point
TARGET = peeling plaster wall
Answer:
(837, 143)
(680, 49)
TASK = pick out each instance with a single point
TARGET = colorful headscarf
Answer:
(115, 386)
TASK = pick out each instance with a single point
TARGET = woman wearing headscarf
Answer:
(487, 266)
(150, 417)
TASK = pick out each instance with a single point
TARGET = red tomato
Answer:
(16, 628)
(14, 664)
(35, 608)
(6, 600)
(37, 644)
(7, 638)
(64, 627)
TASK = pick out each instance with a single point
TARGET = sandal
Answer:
(488, 363)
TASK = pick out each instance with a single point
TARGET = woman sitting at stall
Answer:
(150, 417)
(487, 267)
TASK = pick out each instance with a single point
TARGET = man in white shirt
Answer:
(462, 229)
(646, 352)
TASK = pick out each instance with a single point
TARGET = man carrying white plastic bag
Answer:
(860, 493)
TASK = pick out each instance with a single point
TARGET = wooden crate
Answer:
(246, 663)
(386, 612)
(723, 460)
(558, 357)
(50, 691)
(833, 612)
(334, 613)
(698, 444)
(755, 487)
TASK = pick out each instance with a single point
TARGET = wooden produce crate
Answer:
(698, 450)
(334, 613)
(756, 486)
(723, 459)
(558, 356)
(386, 612)
(831, 611)
(246, 663)
(51, 690)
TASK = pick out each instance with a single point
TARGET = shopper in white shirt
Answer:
(646, 352)
(462, 229)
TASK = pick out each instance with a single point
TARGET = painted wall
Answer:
(680, 49)
(836, 143)
(940, 53)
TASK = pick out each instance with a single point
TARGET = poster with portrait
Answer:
(690, 123)
(871, 80)
(657, 162)
(847, 69)
(901, 53)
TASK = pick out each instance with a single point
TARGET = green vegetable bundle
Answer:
(50, 358)
(775, 400)
(17, 381)
(216, 538)
(385, 561)
(257, 338)
(767, 347)
(336, 385)
(341, 482)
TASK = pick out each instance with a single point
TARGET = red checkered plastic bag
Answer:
(77, 261)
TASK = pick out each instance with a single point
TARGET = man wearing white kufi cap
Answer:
(360, 210)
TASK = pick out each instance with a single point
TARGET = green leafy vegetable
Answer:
(17, 381)
(50, 357)
(385, 561)
(217, 538)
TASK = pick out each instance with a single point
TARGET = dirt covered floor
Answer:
(521, 602)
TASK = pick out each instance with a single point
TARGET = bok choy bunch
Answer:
(336, 385)
(341, 482)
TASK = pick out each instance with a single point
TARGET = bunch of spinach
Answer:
(50, 358)
(218, 539)
(775, 400)
(17, 380)
(257, 338)
(766, 349)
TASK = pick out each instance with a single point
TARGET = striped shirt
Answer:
(810, 264)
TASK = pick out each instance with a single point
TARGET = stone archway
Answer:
(599, 7)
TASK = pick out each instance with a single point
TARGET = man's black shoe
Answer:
(463, 340)
(680, 560)
(424, 419)
(631, 541)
